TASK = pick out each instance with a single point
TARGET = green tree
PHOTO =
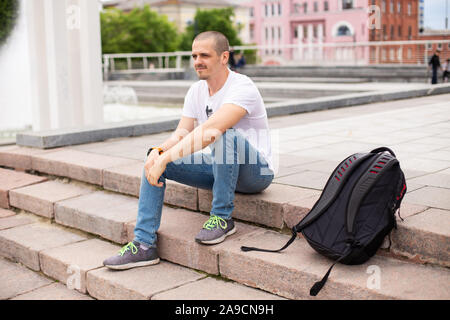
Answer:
(211, 20)
(140, 30)
(8, 16)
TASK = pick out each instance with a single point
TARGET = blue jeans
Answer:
(233, 165)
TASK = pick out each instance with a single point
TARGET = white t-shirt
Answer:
(241, 91)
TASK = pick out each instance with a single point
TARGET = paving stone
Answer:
(101, 213)
(299, 266)
(438, 179)
(40, 198)
(69, 264)
(214, 289)
(23, 243)
(6, 213)
(54, 291)
(124, 179)
(431, 197)
(83, 166)
(15, 221)
(10, 179)
(16, 279)
(138, 283)
(18, 157)
(265, 208)
(306, 179)
(424, 237)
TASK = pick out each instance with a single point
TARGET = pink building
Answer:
(306, 22)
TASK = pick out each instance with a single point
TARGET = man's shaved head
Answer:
(221, 43)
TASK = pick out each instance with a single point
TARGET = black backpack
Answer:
(355, 211)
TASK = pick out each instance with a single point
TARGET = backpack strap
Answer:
(330, 192)
(382, 163)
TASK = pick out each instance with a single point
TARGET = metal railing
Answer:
(312, 53)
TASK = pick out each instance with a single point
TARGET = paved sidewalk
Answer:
(307, 147)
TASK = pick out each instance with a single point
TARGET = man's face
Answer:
(206, 60)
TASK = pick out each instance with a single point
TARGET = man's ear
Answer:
(225, 57)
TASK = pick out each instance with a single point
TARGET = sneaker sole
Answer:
(218, 240)
(133, 265)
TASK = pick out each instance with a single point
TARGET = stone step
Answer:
(20, 283)
(10, 180)
(421, 237)
(78, 268)
(289, 274)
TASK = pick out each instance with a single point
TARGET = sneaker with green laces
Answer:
(215, 230)
(131, 256)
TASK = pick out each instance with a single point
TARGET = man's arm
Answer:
(224, 118)
(185, 126)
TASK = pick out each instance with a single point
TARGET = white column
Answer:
(57, 63)
(40, 102)
(310, 41)
(300, 41)
(91, 63)
(320, 40)
(65, 57)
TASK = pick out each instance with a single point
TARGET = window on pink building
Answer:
(305, 7)
(325, 6)
(347, 4)
(316, 6)
(279, 9)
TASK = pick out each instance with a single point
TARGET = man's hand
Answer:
(155, 172)
(152, 157)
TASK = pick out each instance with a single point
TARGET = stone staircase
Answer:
(75, 208)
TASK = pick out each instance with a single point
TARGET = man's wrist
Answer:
(160, 150)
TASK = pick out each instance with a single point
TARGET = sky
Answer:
(434, 14)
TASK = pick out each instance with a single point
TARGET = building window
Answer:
(383, 54)
(279, 33)
(392, 54)
(409, 33)
(399, 7)
(384, 32)
(273, 9)
(325, 6)
(347, 4)
(409, 9)
(266, 9)
(383, 6)
(392, 32)
(316, 6)
(252, 12)
(343, 31)
(295, 33)
(252, 31)
(439, 46)
(314, 31)
(409, 53)
(267, 33)
(305, 7)
(391, 6)
(279, 9)
(400, 31)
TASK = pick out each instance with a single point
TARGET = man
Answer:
(435, 64)
(232, 120)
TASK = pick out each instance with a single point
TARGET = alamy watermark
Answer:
(374, 280)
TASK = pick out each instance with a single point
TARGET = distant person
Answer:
(231, 61)
(446, 68)
(241, 61)
(232, 119)
(435, 64)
